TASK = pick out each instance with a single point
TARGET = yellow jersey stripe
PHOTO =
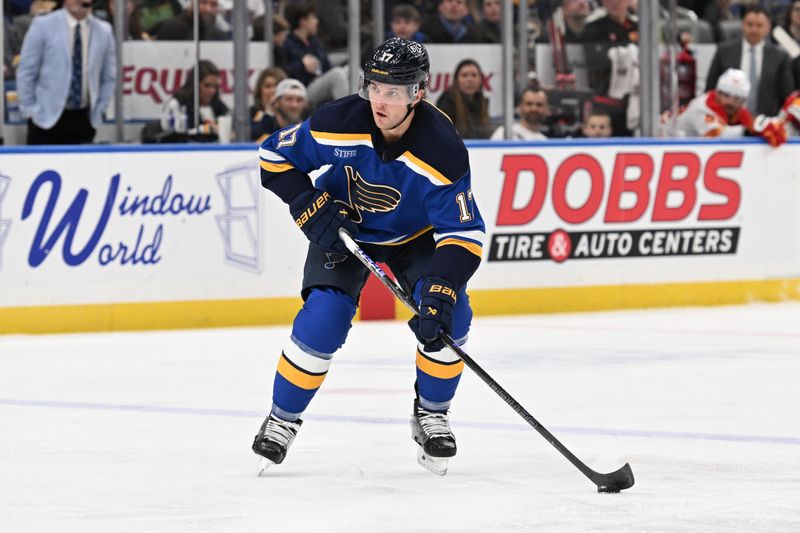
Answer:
(297, 377)
(469, 246)
(276, 167)
(341, 136)
(439, 370)
(409, 238)
(427, 168)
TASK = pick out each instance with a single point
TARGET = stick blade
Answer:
(615, 481)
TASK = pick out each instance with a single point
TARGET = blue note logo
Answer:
(5, 224)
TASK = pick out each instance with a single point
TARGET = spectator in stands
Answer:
(575, 13)
(766, 65)
(722, 112)
(280, 30)
(290, 102)
(450, 24)
(267, 80)
(613, 36)
(597, 124)
(533, 111)
(405, 24)
(180, 107)
(134, 30)
(63, 91)
(792, 27)
(616, 28)
(333, 22)
(11, 48)
(714, 13)
(153, 12)
(792, 22)
(465, 103)
(489, 26)
(181, 27)
(305, 58)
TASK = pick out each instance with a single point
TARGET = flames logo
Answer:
(369, 197)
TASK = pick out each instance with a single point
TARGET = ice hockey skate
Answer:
(273, 441)
(436, 441)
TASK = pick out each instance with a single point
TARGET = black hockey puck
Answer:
(608, 489)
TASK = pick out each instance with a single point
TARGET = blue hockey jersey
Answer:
(396, 191)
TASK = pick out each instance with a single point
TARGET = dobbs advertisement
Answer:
(583, 214)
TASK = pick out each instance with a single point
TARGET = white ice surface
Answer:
(151, 432)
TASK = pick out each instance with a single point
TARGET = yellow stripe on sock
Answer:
(297, 377)
(439, 370)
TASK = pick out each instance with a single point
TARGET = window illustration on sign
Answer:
(240, 225)
(5, 224)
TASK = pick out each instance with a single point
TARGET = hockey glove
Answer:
(791, 109)
(437, 301)
(320, 217)
(773, 131)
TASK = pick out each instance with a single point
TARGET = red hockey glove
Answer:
(791, 109)
(436, 305)
(772, 130)
(320, 217)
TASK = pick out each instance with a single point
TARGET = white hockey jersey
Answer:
(705, 117)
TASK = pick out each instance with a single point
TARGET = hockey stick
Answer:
(613, 482)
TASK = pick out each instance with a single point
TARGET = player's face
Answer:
(469, 80)
(209, 85)
(730, 104)
(598, 127)
(533, 108)
(755, 27)
(389, 103)
(795, 16)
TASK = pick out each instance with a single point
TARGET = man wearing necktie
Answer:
(66, 75)
(767, 66)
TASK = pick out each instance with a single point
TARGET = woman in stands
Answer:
(262, 98)
(465, 103)
(178, 113)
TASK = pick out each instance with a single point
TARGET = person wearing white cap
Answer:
(721, 112)
(290, 102)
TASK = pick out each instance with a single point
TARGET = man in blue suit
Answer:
(66, 75)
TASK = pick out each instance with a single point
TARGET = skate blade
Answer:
(263, 465)
(437, 465)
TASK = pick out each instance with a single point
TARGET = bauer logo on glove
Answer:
(320, 217)
(312, 209)
(447, 291)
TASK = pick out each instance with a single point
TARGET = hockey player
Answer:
(722, 113)
(398, 181)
